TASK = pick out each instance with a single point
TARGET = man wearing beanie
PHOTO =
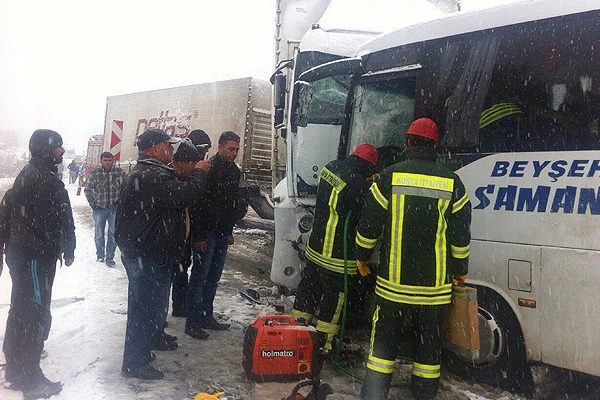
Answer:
(40, 232)
(184, 161)
(201, 140)
(150, 231)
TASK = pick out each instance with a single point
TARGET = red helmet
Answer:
(367, 152)
(424, 127)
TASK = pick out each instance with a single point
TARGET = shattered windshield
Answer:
(328, 100)
(381, 112)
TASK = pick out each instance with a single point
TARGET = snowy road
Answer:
(89, 313)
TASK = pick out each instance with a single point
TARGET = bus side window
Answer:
(545, 90)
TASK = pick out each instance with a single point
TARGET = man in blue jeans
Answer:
(103, 191)
(213, 218)
(151, 234)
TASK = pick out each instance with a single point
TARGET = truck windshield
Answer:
(381, 112)
(328, 95)
(328, 100)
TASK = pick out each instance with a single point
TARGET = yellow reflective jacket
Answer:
(425, 214)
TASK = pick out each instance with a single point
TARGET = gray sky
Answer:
(60, 59)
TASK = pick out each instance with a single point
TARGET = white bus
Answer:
(515, 91)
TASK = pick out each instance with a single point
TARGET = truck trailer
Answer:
(240, 105)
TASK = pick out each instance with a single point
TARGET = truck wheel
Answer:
(284, 290)
(502, 358)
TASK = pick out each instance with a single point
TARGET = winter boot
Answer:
(376, 386)
(145, 372)
(423, 388)
(42, 388)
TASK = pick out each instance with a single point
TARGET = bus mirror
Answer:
(345, 66)
(305, 93)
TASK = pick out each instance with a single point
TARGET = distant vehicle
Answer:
(69, 153)
(515, 93)
(92, 155)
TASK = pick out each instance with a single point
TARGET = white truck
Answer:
(240, 105)
(329, 30)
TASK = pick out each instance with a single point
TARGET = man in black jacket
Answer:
(199, 142)
(212, 233)
(38, 231)
(150, 231)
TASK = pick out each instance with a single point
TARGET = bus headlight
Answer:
(306, 222)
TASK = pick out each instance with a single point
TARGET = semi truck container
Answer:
(240, 105)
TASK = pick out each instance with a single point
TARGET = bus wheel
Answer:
(502, 357)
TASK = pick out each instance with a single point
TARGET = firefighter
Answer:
(340, 193)
(425, 214)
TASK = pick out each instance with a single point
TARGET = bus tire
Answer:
(502, 361)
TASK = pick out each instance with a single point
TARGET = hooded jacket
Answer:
(41, 220)
(150, 220)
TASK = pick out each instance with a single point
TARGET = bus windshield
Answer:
(515, 89)
(381, 112)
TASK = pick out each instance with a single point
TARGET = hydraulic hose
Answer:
(335, 359)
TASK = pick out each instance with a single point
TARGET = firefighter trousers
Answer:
(321, 294)
(389, 319)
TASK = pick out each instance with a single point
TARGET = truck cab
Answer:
(309, 118)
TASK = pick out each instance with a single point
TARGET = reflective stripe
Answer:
(331, 223)
(422, 192)
(326, 327)
(380, 365)
(328, 260)
(459, 204)
(376, 363)
(332, 328)
(430, 182)
(373, 329)
(36, 283)
(378, 196)
(426, 371)
(440, 243)
(365, 242)
(335, 181)
(395, 261)
(330, 263)
(411, 289)
(415, 299)
(497, 112)
(460, 252)
(301, 314)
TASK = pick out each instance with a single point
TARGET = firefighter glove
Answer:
(459, 280)
(363, 267)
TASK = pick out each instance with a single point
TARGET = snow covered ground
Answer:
(86, 341)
